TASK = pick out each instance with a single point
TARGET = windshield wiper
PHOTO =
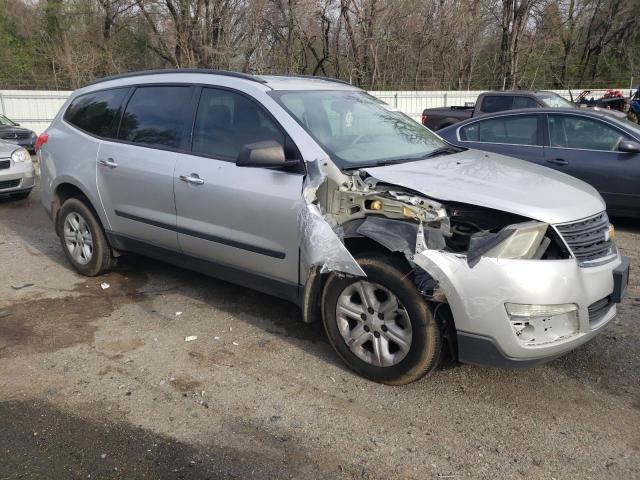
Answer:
(441, 151)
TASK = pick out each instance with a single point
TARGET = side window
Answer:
(513, 129)
(569, 131)
(226, 121)
(98, 112)
(524, 102)
(156, 116)
(496, 103)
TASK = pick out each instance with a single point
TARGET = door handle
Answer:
(194, 179)
(108, 163)
(557, 161)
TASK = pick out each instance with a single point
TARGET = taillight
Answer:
(424, 119)
(41, 140)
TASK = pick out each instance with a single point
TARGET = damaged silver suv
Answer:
(405, 247)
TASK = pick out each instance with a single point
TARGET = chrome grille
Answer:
(9, 184)
(599, 309)
(5, 164)
(588, 239)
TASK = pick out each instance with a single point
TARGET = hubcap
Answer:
(77, 238)
(373, 323)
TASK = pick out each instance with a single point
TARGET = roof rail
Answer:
(227, 73)
(316, 77)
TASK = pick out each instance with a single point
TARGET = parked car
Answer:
(316, 192)
(11, 131)
(634, 106)
(491, 102)
(17, 175)
(589, 145)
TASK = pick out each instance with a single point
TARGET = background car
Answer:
(12, 132)
(17, 174)
(592, 146)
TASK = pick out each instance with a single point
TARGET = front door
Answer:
(586, 148)
(238, 217)
(135, 172)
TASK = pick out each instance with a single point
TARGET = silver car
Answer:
(407, 248)
(17, 174)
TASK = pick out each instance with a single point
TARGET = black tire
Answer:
(21, 195)
(101, 259)
(426, 344)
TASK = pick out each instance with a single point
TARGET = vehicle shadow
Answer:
(28, 220)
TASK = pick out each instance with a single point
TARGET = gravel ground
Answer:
(100, 383)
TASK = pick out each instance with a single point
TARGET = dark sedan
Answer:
(12, 132)
(591, 146)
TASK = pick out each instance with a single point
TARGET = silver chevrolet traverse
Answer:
(405, 247)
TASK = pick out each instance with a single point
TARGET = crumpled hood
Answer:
(498, 182)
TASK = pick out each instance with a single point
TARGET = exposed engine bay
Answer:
(409, 222)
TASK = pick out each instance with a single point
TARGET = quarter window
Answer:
(226, 121)
(515, 130)
(156, 116)
(569, 131)
(97, 113)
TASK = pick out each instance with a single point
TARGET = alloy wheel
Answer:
(77, 238)
(373, 323)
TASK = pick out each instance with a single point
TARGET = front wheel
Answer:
(380, 325)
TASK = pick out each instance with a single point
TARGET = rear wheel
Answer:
(380, 325)
(82, 238)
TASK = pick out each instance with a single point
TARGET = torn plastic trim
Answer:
(321, 244)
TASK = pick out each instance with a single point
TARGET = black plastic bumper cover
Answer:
(479, 350)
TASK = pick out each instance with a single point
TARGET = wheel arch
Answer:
(66, 188)
(316, 280)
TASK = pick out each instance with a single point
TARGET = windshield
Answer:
(553, 100)
(357, 129)
(6, 122)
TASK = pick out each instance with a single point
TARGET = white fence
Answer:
(35, 109)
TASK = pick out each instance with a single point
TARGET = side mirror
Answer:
(629, 146)
(267, 154)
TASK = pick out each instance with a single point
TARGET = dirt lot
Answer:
(100, 383)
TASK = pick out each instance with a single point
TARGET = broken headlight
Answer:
(520, 241)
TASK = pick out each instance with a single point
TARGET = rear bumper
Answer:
(477, 298)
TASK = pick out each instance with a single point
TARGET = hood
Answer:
(7, 148)
(498, 182)
(13, 129)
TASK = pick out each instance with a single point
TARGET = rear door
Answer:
(586, 148)
(516, 135)
(135, 171)
(239, 217)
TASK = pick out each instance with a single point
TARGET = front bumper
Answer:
(17, 178)
(477, 298)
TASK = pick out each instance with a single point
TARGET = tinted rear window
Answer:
(98, 112)
(156, 116)
(496, 103)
